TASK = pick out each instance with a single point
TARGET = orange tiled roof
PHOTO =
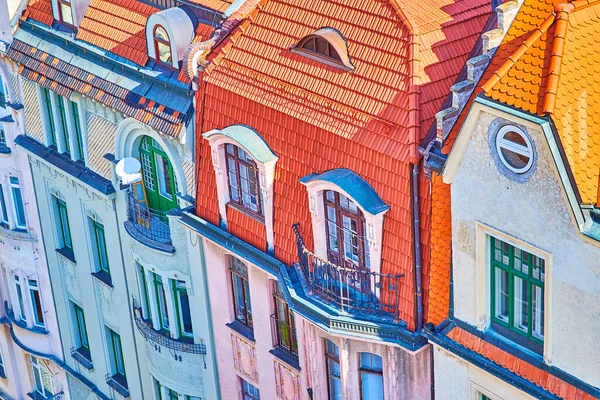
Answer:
(549, 63)
(217, 5)
(522, 368)
(40, 10)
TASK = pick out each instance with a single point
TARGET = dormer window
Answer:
(243, 180)
(65, 12)
(326, 45)
(162, 46)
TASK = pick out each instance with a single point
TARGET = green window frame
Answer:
(99, 243)
(47, 99)
(161, 303)
(182, 305)
(2, 94)
(517, 290)
(144, 290)
(63, 123)
(116, 354)
(80, 328)
(63, 224)
(159, 179)
(2, 137)
(158, 389)
(78, 133)
(19, 207)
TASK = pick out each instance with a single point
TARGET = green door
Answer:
(157, 172)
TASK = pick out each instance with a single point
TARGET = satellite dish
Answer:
(129, 170)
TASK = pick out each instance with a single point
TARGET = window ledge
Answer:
(513, 339)
(67, 253)
(287, 358)
(83, 357)
(4, 150)
(242, 329)
(36, 396)
(103, 277)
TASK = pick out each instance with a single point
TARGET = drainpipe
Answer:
(417, 239)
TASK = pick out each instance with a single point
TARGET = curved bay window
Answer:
(244, 185)
(160, 186)
(345, 227)
(162, 46)
(318, 46)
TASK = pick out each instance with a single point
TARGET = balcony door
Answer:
(158, 176)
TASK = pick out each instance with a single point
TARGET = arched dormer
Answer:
(168, 33)
(326, 45)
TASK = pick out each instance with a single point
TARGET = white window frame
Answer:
(501, 143)
(21, 301)
(13, 187)
(35, 288)
(38, 369)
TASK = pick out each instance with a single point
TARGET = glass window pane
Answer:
(18, 204)
(372, 386)
(501, 294)
(521, 303)
(538, 312)
(335, 380)
(66, 13)
(184, 310)
(4, 216)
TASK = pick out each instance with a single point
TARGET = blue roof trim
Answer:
(7, 119)
(248, 138)
(353, 184)
(73, 168)
(318, 313)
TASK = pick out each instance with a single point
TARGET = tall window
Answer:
(334, 377)
(65, 12)
(3, 212)
(116, 357)
(2, 371)
(162, 46)
(63, 124)
(20, 297)
(78, 134)
(161, 299)
(517, 289)
(41, 377)
(2, 137)
(2, 94)
(144, 291)
(47, 99)
(158, 177)
(249, 392)
(285, 327)
(182, 302)
(99, 245)
(18, 205)
(64, 230)
(81, 336)
(244, 190)
(371, 376)
(36, 303)
(241, 291)
(346, 244)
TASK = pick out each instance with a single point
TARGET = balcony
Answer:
(148, 226)
(352, 290)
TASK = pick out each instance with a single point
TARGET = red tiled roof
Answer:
(217, 5)
(522, 368)
(40, 10)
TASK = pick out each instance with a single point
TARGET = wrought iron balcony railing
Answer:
(284, 336)
(150, 223)
(353, 290)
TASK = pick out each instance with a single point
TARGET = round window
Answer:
(515, 149)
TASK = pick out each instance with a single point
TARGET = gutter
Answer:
(417, 253)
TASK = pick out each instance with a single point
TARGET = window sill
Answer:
(242, 329)
(4, 150)
(103, 277)
(247, 213)
(83, 357)
(67, 253)
(36, 396)
(514, 339)
(286, 357)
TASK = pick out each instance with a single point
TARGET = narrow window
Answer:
(284, 325)
(334, 377)
(144, 291)
(173, 395)
(165, 180)
(2, 94)
(249, 392)
(63, 124)
(2, 137)
(20, 298)
(99, 245)
(517, 290)
(371, 376)
(162, 46)
(182, 302)
(81, 336)
(116, 357)
(17, 198)
(2, 371)
(4, 213)
(78, 134)
(161, 298)
(241, 292)
(244, 188)
(36, 303)
(65, 12)
(64, 231)
(47, 98)
(158, 389)
(41, 378)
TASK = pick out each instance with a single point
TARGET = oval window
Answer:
(515, 149)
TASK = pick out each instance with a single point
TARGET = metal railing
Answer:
(284, 336)
(113, 382)
(352, 290)
(150, 223)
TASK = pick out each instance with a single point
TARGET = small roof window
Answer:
(514, 149)
(326, 45)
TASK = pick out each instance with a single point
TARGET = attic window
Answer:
(65, 12)
(514, 149)
(162, 46)
(326, 45)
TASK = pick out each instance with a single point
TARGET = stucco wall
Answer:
(535, 212)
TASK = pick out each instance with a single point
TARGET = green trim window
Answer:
(64, 230)
(144, 291)
(182, 303)
(158, 389)
(2, 94)
(42, 378)
(63, 124)
(99, 244)
(4, 212)
(158, 176)
(517, 295)
(36, 303)
(78, 133)
(17, 198)
(47, 100)
(20, 298)
(81, 335)
(2, 138)
(161, 299)
(116, 356)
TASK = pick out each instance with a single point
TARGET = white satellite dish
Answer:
(129, 170)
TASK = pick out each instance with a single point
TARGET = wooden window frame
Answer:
(254, 173)
(237, 273)
(527, 277)
(167, 42)
(61, 17)
(327, 56)
(289, 322)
